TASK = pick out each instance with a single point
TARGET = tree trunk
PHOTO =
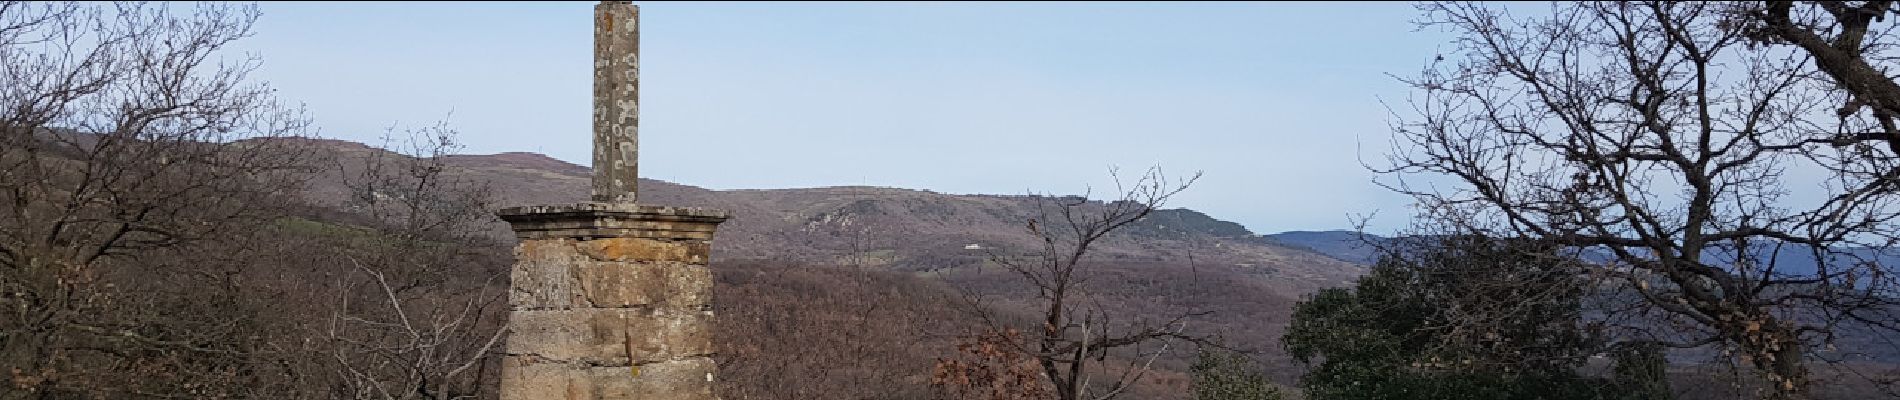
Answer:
(1776, 351)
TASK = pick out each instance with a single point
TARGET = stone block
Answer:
(610, 336)
(630, 284)
(643, 249)
(543, 275)
(554, 274)
(522, 378)
(525, 379)
(688, 379)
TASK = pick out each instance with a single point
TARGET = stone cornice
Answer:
(605, 220)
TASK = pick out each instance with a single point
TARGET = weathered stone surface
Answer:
(610, 336)
(616, 101)
(587, 312)
(662, 284)
(560, 274)
(689, 379)
(543, 275)
(523, 378)
(643, 249)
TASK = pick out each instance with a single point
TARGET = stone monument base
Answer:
(610, 301)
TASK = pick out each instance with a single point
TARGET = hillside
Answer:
(901, 229)
(1174, 261)
(871, 281)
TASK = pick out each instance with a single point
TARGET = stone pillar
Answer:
(610, 301)
(616, 101)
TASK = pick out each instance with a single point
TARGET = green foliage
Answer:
(1223, 375)
(1460, 318)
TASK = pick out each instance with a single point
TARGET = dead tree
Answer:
(1072, 335)
(1651, 132)
(125, 134)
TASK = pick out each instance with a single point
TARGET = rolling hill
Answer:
(898, 229)
(1172, 262)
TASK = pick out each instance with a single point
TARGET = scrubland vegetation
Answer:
(1607, 209)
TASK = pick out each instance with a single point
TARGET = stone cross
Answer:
(616, 101)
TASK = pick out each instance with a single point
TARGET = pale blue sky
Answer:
(1274, 101)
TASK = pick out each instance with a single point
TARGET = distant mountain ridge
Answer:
(926, 229)
(1349, 246)
(1358, 248)
(895, 228)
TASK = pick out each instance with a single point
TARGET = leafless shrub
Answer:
(1073, 335)
(126, 141)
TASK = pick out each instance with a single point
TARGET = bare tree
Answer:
(124, 134)
(1073, 335)
(1852, 43)
(409, 189)
(408, 346)
(415, 315)
(1653, 133)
